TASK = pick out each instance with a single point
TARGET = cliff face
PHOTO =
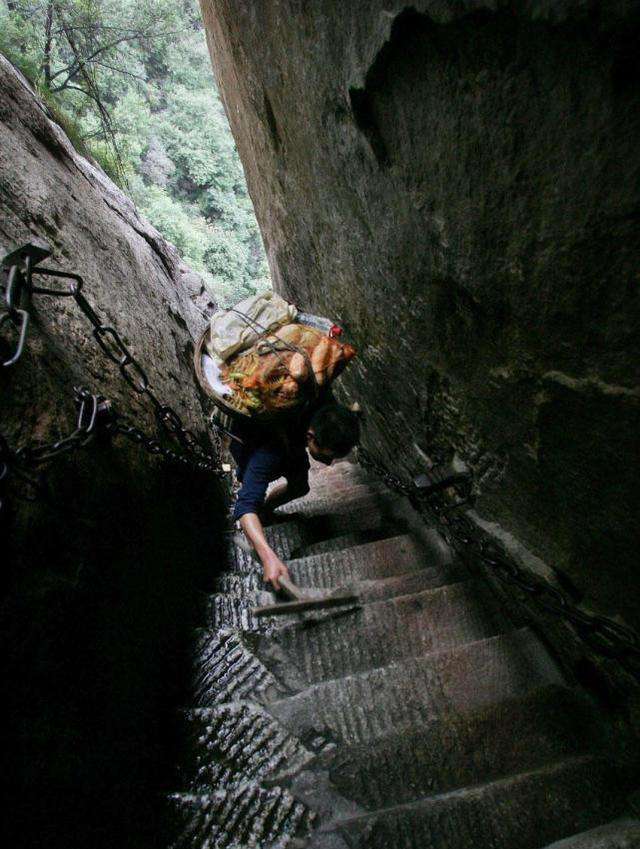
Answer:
(99, 570)
(457, 184)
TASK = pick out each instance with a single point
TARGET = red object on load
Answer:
(335, 331)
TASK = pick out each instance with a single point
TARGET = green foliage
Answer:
(19, 42)
(130, 83)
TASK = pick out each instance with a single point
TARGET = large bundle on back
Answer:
(283, 369)
(262, 357)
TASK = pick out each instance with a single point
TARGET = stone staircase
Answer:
(424, 717)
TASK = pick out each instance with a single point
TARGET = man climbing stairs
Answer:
(423, 717)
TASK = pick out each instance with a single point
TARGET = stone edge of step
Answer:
(464, 793)
(611, 835)
(523, 639)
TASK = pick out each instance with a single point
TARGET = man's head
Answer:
(333, 431)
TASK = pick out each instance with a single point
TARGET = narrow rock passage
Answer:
(425, 717)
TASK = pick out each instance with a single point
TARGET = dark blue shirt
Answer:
(265, 456)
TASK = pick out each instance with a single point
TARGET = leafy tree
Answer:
(130, 81)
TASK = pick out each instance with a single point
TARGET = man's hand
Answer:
(274, 569)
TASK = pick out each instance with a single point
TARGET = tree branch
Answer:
(92, 91)
(86, 60)
(121, 71)
(46, 63)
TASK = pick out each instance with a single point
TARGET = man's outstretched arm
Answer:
(272, 565)
(264, 465)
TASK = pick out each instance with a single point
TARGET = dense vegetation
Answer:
(131, 82)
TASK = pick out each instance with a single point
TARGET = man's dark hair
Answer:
(336, 428)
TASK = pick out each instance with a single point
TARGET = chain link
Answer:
(391, 480)
(15, 313)
(154, 446)
(88, 406)
(605, 636)
(95, 416)
(25, 462)
(20, 267)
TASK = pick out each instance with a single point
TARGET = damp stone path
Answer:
(422, 718)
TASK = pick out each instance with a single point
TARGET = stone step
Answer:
(382, 632)
(249, 590)
(238, 813)
(387, 514)
(233, 609)
(504, 738)
(622, 833)
(342, 542)
(298, 537)
(345, 470)
(355, 504)
(418, 691)
(390, 556)
(240, 736)
(374, 521)
(287, 538)
(226, 669)
(239, 585)
(410, 584)
(519, 812)
(344, 475)
(337, 491)
(383, 558)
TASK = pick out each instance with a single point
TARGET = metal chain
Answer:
(95, 416)
(21, 267)
(391, 480)
(25, 462)
(88, 408)
(153, 446)
(605, 636)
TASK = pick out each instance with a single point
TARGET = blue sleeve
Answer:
(263, 466)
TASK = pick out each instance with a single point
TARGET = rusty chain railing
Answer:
(605, 636)
(95, 412)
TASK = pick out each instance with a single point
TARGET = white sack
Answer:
(231, 333)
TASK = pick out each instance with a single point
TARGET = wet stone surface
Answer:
(423, 716)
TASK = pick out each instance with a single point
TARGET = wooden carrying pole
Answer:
(301, 602)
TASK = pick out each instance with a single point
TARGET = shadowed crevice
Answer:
(272, 124)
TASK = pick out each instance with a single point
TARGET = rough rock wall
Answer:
(99, 573)
(457, 183)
